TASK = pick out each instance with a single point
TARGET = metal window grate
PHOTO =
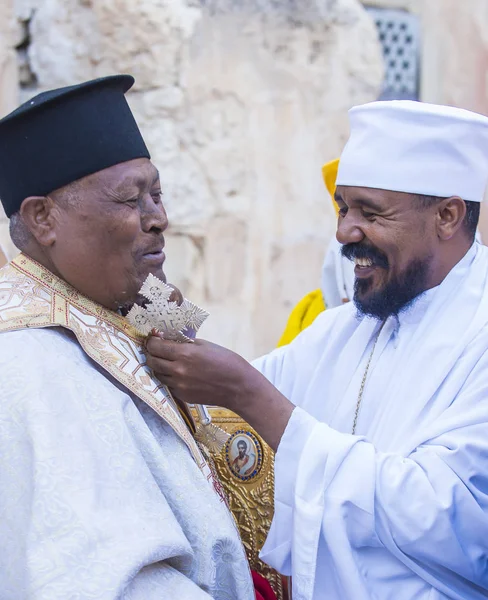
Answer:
(399, 34)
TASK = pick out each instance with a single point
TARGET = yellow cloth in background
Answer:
(310, 307)
(303, 315)
(329, 173)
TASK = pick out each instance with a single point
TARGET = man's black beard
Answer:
(397, 294)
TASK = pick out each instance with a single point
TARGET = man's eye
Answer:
(343, 211)
(156, 196)
(368, 215)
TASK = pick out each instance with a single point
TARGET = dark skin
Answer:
(103, 235)
(242, 450)
(204, 373)
(393, 223)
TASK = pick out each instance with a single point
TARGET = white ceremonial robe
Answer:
(400, 510)
(337, 276)
(99, 498)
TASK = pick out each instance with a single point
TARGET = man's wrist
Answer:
(265, 408)
(252, 392)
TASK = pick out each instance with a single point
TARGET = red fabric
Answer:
(263, 589)
(286, 582)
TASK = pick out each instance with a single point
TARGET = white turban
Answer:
(418, 148)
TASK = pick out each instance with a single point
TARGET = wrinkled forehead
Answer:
(122, 180)
(139, 173)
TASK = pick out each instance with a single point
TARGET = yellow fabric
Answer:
(303, 315)
(329, 173)
(310, 307)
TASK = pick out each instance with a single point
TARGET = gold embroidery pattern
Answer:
(251, 499)
(31, 296)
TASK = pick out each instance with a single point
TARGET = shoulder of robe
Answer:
(311, 342)
(46, 378)
(31, 347)
(328, 321)
(40, 356)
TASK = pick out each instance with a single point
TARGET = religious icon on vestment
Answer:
(243, 454)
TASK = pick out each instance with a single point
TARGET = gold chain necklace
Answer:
(363, 382)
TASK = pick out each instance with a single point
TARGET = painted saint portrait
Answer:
(244, 455)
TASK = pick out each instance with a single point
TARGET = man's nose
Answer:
(348, 230)
(153, 216)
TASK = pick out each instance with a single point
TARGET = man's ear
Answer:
(450, 217)
(38, 214)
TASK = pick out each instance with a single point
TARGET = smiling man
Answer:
(379, 410)
(395, 259)
(103, 491)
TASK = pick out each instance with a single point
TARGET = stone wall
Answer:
(240, 107)
(454, 62)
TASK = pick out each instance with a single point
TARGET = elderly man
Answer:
(104, 493)
(379, 410)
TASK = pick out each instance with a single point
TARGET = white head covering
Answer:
(337, 276)
(419, 148)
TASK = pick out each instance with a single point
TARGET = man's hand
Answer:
(204, 373)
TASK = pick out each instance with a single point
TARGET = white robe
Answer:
(399, 511)
(337, 277)
(99, 498)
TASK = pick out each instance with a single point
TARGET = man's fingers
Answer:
(160, 348)
(160, 366)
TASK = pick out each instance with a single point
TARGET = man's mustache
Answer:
(360, 250)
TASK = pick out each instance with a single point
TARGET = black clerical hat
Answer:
(62, 135)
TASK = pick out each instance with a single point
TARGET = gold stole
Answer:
(32, 297)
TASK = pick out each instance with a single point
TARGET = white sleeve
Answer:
(429, 509)
(271, 365)
(280, 365)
